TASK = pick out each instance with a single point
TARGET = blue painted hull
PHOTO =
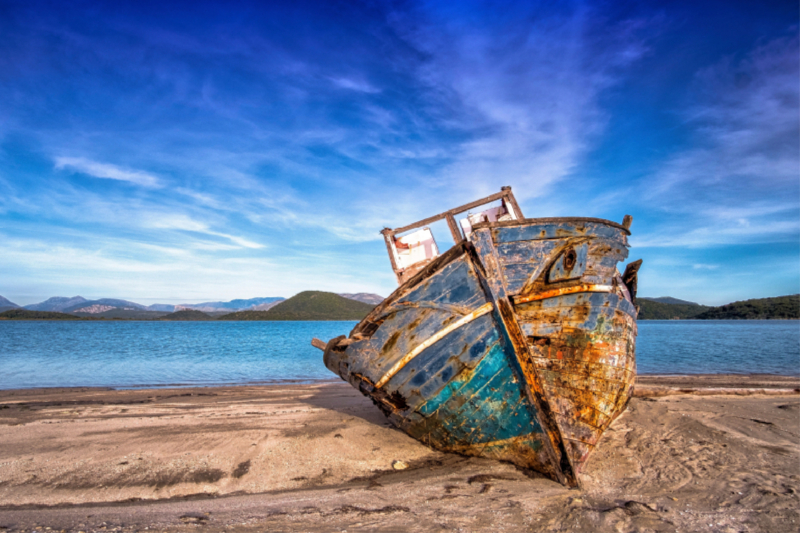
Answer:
(452, 359)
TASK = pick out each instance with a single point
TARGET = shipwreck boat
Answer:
(518, 343)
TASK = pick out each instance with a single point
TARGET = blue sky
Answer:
(174, 153)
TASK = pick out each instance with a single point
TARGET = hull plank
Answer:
(542, 228)
(524, 260)
(457, 354)
(582, 344)
(484, 411)
(464, 393)
(518, 344)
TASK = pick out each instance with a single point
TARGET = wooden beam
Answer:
(388, 237)
(513, 203)
(433, 339)
(627, 221)
(460, 209)
(316, 343)
(457, 236)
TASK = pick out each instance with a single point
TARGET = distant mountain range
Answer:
(365, 297)
(6, 304)
(116, 308)
(56, 303)
(256, 304)
(307, 305)
(94, 307)
(318, 305)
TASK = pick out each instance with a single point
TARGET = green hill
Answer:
(246, 315)
(187, 314)
(654, 310)
(309, 305)
(781, 307)
(24, 314)
(668, 300)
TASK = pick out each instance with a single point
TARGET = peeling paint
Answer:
(518, 344)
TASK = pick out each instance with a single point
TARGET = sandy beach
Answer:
(701, 453)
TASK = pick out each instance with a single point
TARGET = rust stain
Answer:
(391, 342)
(583, 287)
(573, 365)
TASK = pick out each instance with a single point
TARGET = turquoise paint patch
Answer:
(485, 405)
(491, 363)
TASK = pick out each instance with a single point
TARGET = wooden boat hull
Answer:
(495, 350)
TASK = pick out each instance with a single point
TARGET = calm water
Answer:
(130, 354)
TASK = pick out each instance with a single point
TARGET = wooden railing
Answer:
(505, 194)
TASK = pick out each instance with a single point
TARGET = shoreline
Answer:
(214, 318)
(646, 384)
(321, 457)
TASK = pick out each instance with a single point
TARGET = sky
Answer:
(178, 153)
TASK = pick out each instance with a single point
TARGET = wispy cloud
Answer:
(737, 182)
(701, 266)
(523, 87)
(355, 85)
(116, 267)
(107, 171)
(746, 126)
(289, 137)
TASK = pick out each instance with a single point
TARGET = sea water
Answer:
(143, 354)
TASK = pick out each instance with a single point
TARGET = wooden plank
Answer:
(436, 337)
(581, 381)
(552, 220)
(388, 237)
(575, 429)
(614, 373)
(443, 365)
(483, 239)
(316, 343)
(490, 364)
(584, 412)
(504, 193)
(511, 201)
(454, 229)
(562, 310)
(532, 252)
(533, 229)
(583, 287)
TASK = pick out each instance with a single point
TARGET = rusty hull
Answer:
(518, 344)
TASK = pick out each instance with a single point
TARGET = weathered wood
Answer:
(436, 337)
(543, 228)
(583, 287)
(627, 220)
(486, 248)
(505, 193)
(552, 221)
(512, 202)
(517, 344)
(630, 278)
(454, 229)
(388, 237)
(316, 343)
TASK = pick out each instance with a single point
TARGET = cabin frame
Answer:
(392, 236)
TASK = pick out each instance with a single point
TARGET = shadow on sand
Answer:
(345, 400)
